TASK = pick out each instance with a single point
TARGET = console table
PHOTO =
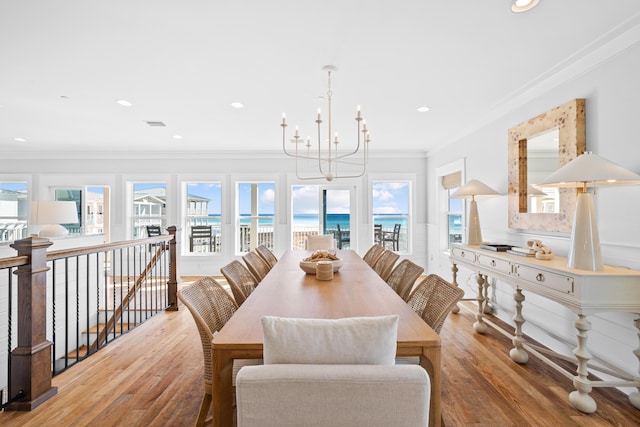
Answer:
(583, 292)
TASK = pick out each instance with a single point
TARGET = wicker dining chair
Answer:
(211, 307)
(433, 299)
(384, 264)
(256, 265)
(403, 277)
(240, 280)
(267, 255)
(372, 255)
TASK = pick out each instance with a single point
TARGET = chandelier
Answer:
(329, 158)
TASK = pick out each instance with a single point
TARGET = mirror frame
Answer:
(569, 118)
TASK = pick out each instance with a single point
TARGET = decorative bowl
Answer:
(309, 267)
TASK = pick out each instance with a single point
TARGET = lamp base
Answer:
(584, 248)
(53, 230)
(474, 235)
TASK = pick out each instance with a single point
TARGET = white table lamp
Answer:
(52, 213)
(473, 189)
(587, 170)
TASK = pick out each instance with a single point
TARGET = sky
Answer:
(388, 197)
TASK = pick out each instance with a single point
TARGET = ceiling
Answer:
(64, 64)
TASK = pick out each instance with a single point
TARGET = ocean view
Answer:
(313, 220)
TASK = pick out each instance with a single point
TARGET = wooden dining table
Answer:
(287, 291)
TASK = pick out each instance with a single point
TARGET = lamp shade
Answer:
(52, 213)
(533, 191)
(472, 189)
(588, 170)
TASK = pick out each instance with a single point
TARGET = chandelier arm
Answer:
(329, 164)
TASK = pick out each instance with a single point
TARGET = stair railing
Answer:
(59, 293)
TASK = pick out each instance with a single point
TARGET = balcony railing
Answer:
(59, 307)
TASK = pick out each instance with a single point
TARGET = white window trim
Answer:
(394, 177)
(443, 202)
(183, 181)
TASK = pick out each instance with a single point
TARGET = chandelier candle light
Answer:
(329, 159)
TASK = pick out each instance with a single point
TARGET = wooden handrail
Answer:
(31, 373)
(65, 253)
(15, 261)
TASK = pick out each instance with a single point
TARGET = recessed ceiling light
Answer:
(155, 123)
(124, 103)
(17, 139)
(423, 109)
(177, 136)
(237, 104)
(519, 6)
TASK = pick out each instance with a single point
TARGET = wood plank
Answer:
(152, 376)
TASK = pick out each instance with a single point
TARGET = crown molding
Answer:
(621, 38)
(225, 155)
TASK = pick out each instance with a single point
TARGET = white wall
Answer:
(611, 88)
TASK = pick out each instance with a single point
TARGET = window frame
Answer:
(236, 210)
(410, 178)
(27, 207)
(444, 203)
(184, 215)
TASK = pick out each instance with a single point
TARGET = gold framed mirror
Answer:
(533, 156)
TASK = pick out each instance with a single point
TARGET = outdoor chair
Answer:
(403, 277)
(392, 237)
(342, 237)
(256, 265)
(153, 230)
(267, 255)
(385, 263)
(377, 233)
(240, 280)
(372, 255)
(201, 235)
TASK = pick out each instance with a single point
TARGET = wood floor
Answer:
(152, 376)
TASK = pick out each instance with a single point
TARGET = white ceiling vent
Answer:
(152, 123)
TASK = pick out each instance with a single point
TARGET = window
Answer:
(321, 210)
(72, 196)
(451, 210)
(390, 202)
(96, 204)
(13, 211)
(203, 217)
(255, 218)
(149, 207)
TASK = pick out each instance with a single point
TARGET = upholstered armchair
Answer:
(338, 372)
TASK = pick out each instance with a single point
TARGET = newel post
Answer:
(31, 359)
(172, 284)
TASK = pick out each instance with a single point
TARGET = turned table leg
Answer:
(454, 269)
(517, 353)
(479, 326)
(580, 398)
(634, 397)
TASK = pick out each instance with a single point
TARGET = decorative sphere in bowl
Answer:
(309, 267)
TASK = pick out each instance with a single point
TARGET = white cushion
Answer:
(353, 340)
(323, 241)
(332, 395)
